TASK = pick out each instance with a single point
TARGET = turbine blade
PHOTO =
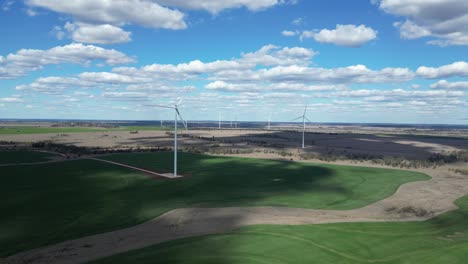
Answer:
(305, 110)
(307, 119)
(182, 97)
(160, 106)
(182, 119)
(296, 118)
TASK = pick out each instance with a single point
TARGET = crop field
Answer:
(49, 203)
(44, 130)
(12, 157)
(443, 239)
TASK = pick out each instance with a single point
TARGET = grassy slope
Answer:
(44, 204)
(440, 240)
(267, 182)
(43, 130)
(7, 157)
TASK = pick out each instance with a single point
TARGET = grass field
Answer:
(44, 130)
(12, 157)
(49, 203)
(441, 240)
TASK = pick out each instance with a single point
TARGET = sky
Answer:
(362, 61)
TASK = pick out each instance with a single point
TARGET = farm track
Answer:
(425, 199)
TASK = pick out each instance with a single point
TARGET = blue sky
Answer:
(399, 61)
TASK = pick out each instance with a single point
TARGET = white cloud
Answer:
(443, 84)
(277, 87)
(302, 74)
(298, 21)
(409, 30)
(31, 12)
(58, 32)
(343, 35)
(101, 21)
(417, 103)
(459, 68)
(25, 60)
(216, 6)
(445, 20)
(97, 34)
(397, 94)
(288, 33)
(120, 12)
(11, 100)
(54, 85)
(270, 55)
(126, 96)
(111, 78)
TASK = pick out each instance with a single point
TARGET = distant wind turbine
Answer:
(176, 119)
(304, 118)
(219, 120)
(269, 121)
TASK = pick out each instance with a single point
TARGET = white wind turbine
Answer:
(219, 120)
(304, 118)
(269, 121)
(176, 119)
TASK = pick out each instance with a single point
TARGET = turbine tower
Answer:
(219, 120)
(176, 119)
(269, 121)
(304, 118)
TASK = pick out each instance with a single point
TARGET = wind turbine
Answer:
(269, 121)
(176, 119)
(304, 118)
(219, 120)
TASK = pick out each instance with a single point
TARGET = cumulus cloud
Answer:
(298, 21)
(111, 78)
(445, 20)
(54, 85)
(396, 94)
(126, 96)
(459, 68)
(120, 12)
(25, 60)
(216, 6)
(343, 35)
(11, 100)
(443, 84)
(268, 55)
(97, 34)
(288, 33)
(409, 30)
(277, 87)
(302, 74)
(272, 72)
(101, 22)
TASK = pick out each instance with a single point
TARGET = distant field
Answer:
(461, 137)
(43, 130)
(441, 240)
(49, 203)
(11, 157)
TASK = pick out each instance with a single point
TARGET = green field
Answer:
(44, 130)
(443, 239)
(12, 157)
(49, 203)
